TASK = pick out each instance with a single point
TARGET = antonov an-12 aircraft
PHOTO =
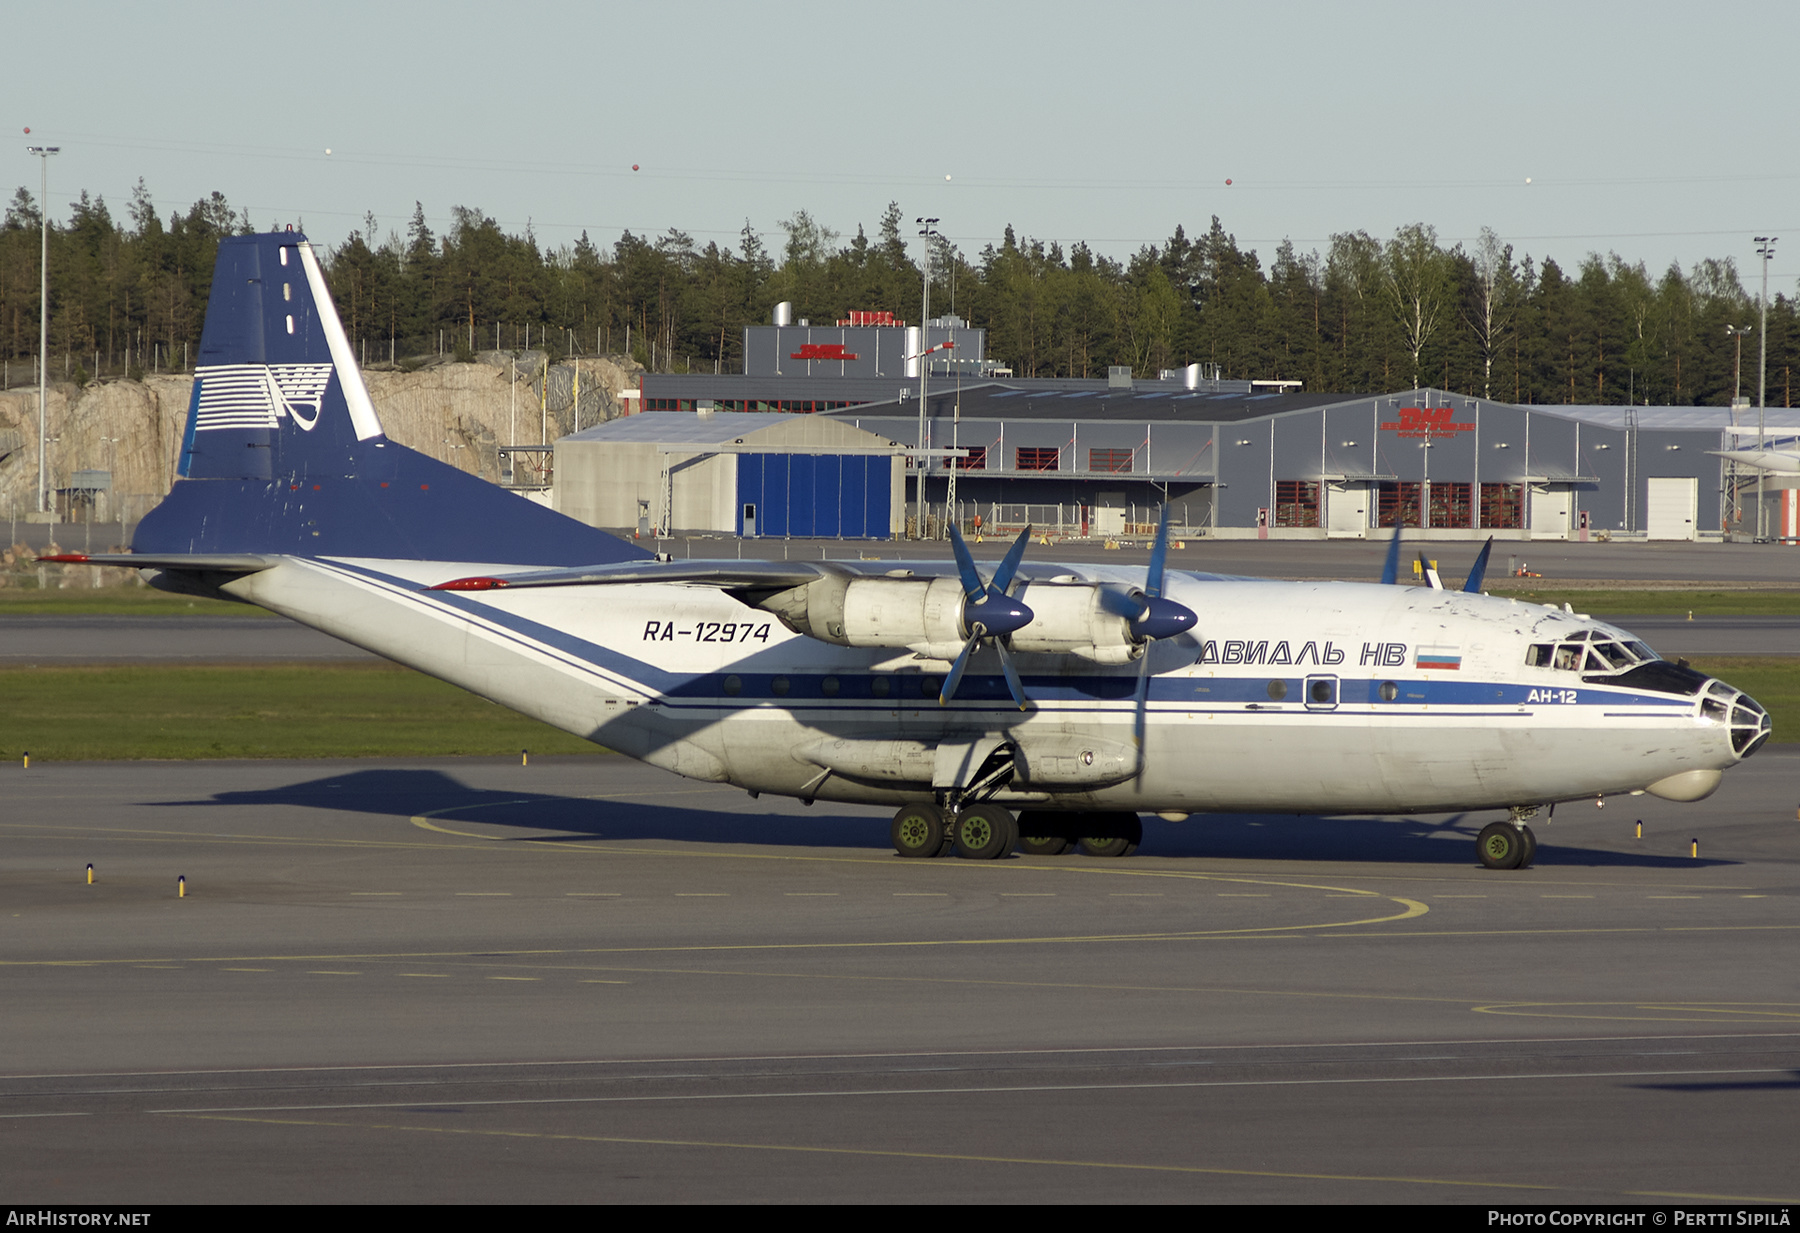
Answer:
(1039, 706)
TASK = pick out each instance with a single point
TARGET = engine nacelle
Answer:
(923, 615)
(1070, 620)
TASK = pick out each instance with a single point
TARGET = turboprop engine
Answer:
(929, 617)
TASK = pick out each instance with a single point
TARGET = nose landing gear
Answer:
(1510, 844)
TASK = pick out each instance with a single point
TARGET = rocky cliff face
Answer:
(458, 413)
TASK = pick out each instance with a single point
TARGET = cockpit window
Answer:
(1600, 654)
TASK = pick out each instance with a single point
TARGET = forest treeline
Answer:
(1367, 315)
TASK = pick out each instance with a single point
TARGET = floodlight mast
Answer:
(1765, 248)
(928, 232)
(44, 153)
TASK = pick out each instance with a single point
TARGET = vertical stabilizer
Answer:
(283, 451)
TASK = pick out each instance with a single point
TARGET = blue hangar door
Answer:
(817, 495)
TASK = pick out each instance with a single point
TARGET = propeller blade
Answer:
(1478, 574)
(1390, 573)
(1009, 564)
(973, 587)
(956, 671)
(1153, 578)
(1141, 718)
(1012, 673)
(1122, 603)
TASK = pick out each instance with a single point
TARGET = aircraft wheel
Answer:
(1526, 860)
(1500, 845)
(918, 830)
(985, 832)
(1117, 834)
(1044, 833)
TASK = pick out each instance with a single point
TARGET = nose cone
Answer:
(998, 615)
(1163, 618)
(1748, 722)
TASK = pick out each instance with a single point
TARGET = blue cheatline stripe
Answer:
(910, 690)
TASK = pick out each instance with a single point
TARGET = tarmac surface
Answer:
(587, 980)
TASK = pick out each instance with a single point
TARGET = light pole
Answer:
(1737, 332)
(928, 232)
(44, 153)
(1765, 248)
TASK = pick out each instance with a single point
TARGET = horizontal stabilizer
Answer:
(212, 563)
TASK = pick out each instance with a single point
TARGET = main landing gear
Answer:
(1510, 844)
(987, 832)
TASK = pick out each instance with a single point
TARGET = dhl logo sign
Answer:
(1425, 422)
(823, 351)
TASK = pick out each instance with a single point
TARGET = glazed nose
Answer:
(1749, 722)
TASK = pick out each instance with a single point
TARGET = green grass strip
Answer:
(1700, 602)
(256, 711)
(115, 601)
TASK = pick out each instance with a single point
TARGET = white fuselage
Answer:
(1289, 697)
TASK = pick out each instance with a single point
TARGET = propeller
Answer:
(1150, 616)
(1478, 573)
(988, 612)
(1429, 571)
(1390, 572)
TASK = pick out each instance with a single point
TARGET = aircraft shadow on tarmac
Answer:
(408, 793)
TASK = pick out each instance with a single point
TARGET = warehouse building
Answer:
(1282, 465)
(1100, 457)
(739, 473)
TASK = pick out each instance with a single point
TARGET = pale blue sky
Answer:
(1662, 131)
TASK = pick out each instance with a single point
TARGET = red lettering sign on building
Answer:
(822, 351)
(1425, 422)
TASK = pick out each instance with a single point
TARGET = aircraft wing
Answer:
(725, 575)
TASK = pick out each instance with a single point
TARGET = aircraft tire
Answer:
(1044, 833)
(1112, 835)
(985, 832)
(1500, 845)
(918, 830)
(1525, 861)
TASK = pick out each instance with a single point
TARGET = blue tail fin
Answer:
(284, 452)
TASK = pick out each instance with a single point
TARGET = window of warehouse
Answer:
(1449, 504)
(1397, 505)
(1296, 503)
(1039, 458)
(1110, 460)
(1502, 505)
(976, 461)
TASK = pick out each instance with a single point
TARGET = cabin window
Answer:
(1277, 690)
(779, 686)
(1389, 691)
(879, 687)
(734, 685)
